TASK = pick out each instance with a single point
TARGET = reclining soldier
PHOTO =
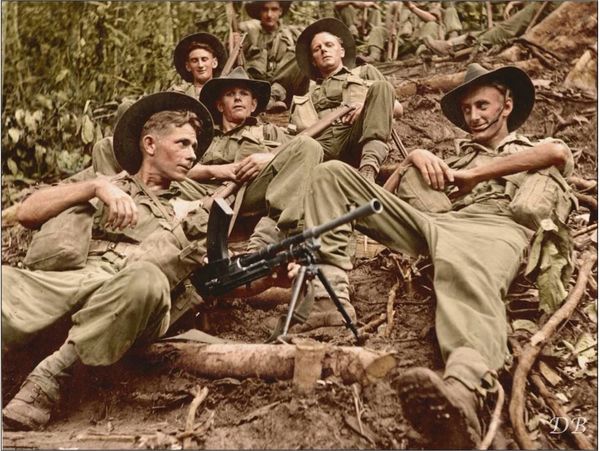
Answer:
(269, 52)
(243, 152)
(124, 253)
(499, 34)
(198, 58)
(476, 236)
(326, 53)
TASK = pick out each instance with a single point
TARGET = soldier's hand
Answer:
(350, 117)
(464, 180)
(250, 166)
(225, 171)
(122, 210)
(434, 170)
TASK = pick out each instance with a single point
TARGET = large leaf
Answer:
(550, 263)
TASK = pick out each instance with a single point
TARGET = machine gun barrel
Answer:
(373, 206)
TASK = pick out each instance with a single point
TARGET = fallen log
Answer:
(446, 82)
(269, 361)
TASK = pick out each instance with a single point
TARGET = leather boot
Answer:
(444, 411)
(368, 172)
(32, 406)
(448, 47)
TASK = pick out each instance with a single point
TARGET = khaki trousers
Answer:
(476, 253)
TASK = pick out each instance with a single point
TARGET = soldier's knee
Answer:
(147, 283)
(329, 170)
(381, 86)
(309, 148)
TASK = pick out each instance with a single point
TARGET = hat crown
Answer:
(238, 74)
(474, 71)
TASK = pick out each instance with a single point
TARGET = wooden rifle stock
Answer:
(233, 56)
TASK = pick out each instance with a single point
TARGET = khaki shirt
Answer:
(185, 87)
(346, 86)
(246, 139)
(473, 155)
(150, 216)
(268, 49)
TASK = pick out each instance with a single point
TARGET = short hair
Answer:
(199, 45)
(340, 40)
(160, 122)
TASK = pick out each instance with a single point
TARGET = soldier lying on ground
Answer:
(500, 34)
(242, 151)
(326, 52)
(269, 52)
(476, 236)
(198, 58)
(111, 252)
(413, 25)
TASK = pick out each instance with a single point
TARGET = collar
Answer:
(342, 70)
(249, 121)
(511, 138)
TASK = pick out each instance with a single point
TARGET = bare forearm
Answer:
(211, 172)
(538, 157)
(49, 202)
(424, 15)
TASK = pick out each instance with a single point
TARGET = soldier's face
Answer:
(172, 152)
(270, 12)
(486, 112)
(201, 63)
(327, 52)
(236, 104)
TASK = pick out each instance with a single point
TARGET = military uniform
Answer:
(350, 143)
(278, 190)
(412, 30)
(270, 56)
(476, 248)
(122, 294)
(185, 87)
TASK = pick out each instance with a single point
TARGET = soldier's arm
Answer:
(424, 15)
(210, 172)
(49, 202)
(540, 156)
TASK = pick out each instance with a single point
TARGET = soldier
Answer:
(476, 237)
(198, 58)
(243, 152)
(112, 252)
(413, 26)
(269, 52)
(501, 33)
(346, 12)
(326, 52)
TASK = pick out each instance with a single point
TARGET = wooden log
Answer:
(268, 361)
(446, 82)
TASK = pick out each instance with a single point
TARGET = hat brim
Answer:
(253, 8)
(212, 91)
(329, 25)
(126, 140)
(514, 78)
(180, 54)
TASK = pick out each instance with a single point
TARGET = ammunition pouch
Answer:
(543, 194)
(302, 113)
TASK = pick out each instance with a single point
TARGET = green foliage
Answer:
(67, 65)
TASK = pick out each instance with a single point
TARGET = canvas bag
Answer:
(543, 194)
(63, 242)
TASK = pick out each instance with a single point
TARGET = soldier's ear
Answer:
(343, 52)
(187, 66)
(149, 144)
(219, 105)
(508, 106)
(254, 104)
(215, 63)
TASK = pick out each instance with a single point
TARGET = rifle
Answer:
(223, 274)
(230, 187)
(233, 49)
(392, 26)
